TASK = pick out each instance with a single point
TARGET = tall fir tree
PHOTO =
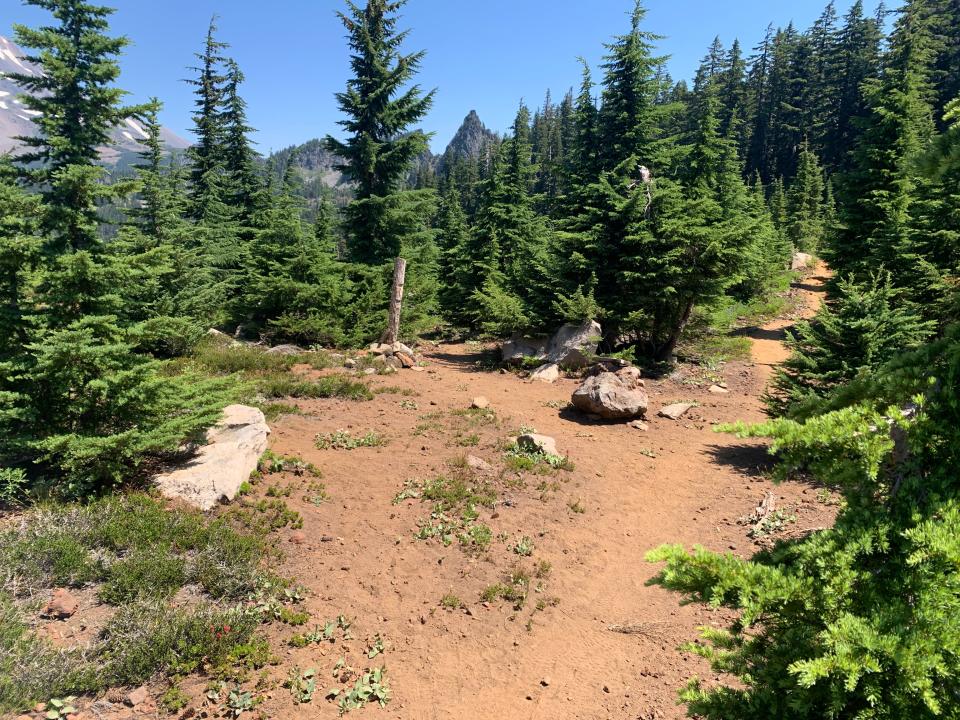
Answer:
(380, 145)
(240, 159)
(76, 106)
(629, 117)
(207, 154)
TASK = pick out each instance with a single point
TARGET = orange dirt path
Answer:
(677, 482)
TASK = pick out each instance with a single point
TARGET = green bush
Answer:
(861, 620)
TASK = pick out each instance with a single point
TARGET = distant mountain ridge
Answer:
(17, 120)
(317, 165)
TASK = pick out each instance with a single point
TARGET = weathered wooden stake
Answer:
(396, 300)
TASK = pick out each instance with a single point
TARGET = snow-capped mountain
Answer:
(17, 120)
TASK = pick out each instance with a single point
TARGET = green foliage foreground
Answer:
(861, 620)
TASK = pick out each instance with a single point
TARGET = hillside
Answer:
(17, 121)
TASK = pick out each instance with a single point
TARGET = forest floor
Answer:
(555, 617)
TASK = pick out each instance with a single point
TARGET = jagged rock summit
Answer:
(17, 120)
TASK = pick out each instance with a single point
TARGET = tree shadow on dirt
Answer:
(571, 414)
(750, 460)
(482, 360)
(759, 333)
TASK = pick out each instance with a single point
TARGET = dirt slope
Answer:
(675, 482)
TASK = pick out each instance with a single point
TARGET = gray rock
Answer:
(286, 350)
(518, 347)
(399, 347)
(801, 261)
(350, 363)
(675, 411)
(219, 468)
(538, 443)
(480, 403)
(548, 373)
(479, 464)
(573, 346)
(614, 396)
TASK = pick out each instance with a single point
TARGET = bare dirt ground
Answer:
(677, 482)
(564, 654)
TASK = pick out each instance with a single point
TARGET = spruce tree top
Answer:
(379, 147)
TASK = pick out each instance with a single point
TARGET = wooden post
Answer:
(396, 300)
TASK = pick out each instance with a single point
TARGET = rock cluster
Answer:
(397, 355)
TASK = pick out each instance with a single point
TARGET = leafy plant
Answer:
(343, 440)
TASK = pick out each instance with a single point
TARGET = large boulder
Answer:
(615, 396)
(518, 347)
(574, 346)
(218, 469)
(801, 261)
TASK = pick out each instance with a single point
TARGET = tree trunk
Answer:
(666, 352)
(396, 301)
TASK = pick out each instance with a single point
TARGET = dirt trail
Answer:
(768, 348)
(676, 482)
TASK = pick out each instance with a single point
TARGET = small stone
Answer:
(61, 606)
(370, 371)
(639, 425)
(42, 707)
(717, 390)
(298, 538)
(479, 464)
(406, 361)
(675, 411)
(548, 373)
(606, 689)
(350, 363)
(538, 443)
(137, 697)
(480, 403)
(545, 682)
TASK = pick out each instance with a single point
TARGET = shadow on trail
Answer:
(750, 460)
(478, 361)
(759, 333)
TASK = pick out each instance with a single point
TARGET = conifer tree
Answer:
(294, 289)
(239, 163)
(207, 154)
(859, 329)
(86, 409)
(628, 120)
(380, 145)
(805, 202)
(857, 61)
(583, 156)
(878, 193)
(79, 63)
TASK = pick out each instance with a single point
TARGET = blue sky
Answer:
(480, 55)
